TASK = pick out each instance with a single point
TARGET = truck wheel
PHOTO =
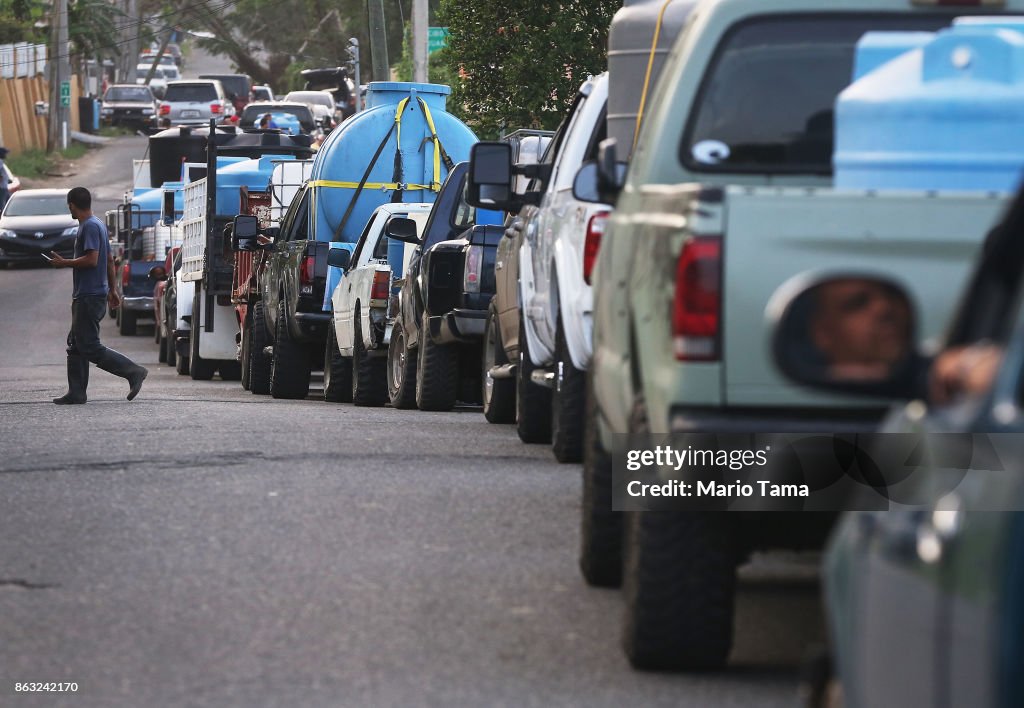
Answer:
(437, 375)
(259, 365)
(337, 370)
(230, 371)
(401, 369)
(566, 403)
(181, 365)
(499, 395)
(533, 402)
(172, 353)
(126, 322)
(600, 527)
(244, 354)
(680, 588)
(289, 367)
(199, 369)
(369, 374)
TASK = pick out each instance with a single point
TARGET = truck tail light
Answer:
(381, 289)
(126, 275)
(165, 109)
(592, 243)
(696, 309)
(215, 108)
(474, 267)
(306, 273)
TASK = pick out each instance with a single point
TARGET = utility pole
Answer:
(60, 81)
(420, 20)
(133, 26)
(378, 41)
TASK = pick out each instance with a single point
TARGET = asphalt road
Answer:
(201, 546)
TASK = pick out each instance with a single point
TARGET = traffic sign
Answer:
(437, 38)
(65, 94)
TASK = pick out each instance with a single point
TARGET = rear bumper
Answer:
(310, 326)
(458, 326)
(684, 419)
(137, 304)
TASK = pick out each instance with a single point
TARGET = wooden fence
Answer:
(20, 128)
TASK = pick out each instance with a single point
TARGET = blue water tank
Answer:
(877, 48)
(345, 156)
(254, 175)
(945, 116)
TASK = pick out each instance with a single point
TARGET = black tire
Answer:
(401, 369)
(126, 323)
(172, 352)
(244, 354)
(199, 369)
(600, 527)
(259, 364)
(498, 395)
(289, 367)
(161, 345)
(230, 371)
(181, 365)
(369, 374)
(567, 404)
(337, 370)
(680, 590)
(533, 402)
(437, 373)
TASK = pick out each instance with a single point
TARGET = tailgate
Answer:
(926, 242)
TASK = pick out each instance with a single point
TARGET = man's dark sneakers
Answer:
(135, 381)
(68, 399)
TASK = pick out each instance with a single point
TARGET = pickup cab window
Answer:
(295, 223)
(766, 102)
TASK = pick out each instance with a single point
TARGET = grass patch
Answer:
(30, 163)
(34, 164)
(115, 131)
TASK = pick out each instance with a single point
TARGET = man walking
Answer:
(93, 271)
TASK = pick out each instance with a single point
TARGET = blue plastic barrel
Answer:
(945, 116)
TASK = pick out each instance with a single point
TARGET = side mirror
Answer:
(848, 333)
(489, 184)
(246, 229)
(339, 258)
(402, 229)
(157, 273)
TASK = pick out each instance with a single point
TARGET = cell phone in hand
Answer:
(47, 257)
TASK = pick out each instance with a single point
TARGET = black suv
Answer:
(434, 353)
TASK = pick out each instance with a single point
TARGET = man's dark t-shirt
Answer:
(92, 236)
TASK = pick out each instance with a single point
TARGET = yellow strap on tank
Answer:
(650, 69)
(333, 184)
(436, 184)
(398, 122)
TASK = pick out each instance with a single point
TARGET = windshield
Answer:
(33, 205)
(236, 85)
(197, 93)
(320, 99)
(253, 112)
(766, 104)
(126, 93)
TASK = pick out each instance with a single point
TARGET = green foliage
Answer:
(17, 19)
(438, 71)
(36, 163)
(522, 61)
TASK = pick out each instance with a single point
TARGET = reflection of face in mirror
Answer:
(861, 327)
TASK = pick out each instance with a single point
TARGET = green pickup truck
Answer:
(729, 198)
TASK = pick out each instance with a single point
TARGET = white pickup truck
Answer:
(355, 358)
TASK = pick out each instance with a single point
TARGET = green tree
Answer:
(520, 62)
